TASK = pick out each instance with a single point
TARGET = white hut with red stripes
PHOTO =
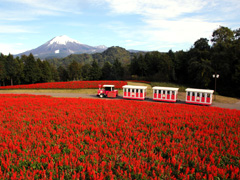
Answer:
(199, 96)
(134, 92)
(168, 94)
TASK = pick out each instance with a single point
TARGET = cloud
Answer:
(172, 22)
(14, 29)
(13, 48)
(182, 30)
(26, 10)
(142, 24)
(156, 8)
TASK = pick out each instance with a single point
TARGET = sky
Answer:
(149, 25)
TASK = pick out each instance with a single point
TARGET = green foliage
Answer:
(45, 71)
(86, 71)
(74, 71)
(63, 74)
(31, 70)
(201, 72)
(110, 55)
(107, 71)
(115, 52)
(155, 66)
(118, 70)
(199, 65)
(11, 68)
(2, 69)
(222, 35)
(25, 70)
(226, 60)
(95, 71)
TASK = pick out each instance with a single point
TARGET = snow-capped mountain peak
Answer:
(62, 46)
(63, 40)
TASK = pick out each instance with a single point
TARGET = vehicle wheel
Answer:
(101, 96)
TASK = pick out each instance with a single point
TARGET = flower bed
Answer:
(67, 85)
(73, 138)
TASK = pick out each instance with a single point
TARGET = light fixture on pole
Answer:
(215, 76)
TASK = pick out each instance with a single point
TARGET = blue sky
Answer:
(132, 24)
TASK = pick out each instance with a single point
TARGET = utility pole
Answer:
(215, 76)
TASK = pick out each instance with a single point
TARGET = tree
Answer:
(2, 69)
(95, 71)
(139, 66)
(150, 66)
(142, 66)
(201, 72)
(134, 66)
(172, 56)
(224, 58)
(19, 72)
(118, 70)
(236, 63)
(164, 73)
(40, 66)
(45, 71)
(199, 65)
(202, 44)
(31, 69)
(107, 71)
(54, 73)
(222, 35)
(74, 71)
(181, 68)
(63, 74)
(11, 68)
(86, 71)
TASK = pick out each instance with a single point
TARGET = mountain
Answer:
(110, 54)
(62, 46)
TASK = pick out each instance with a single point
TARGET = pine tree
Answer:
(74, 71)
(31, 70)
(11, 68)
(95, 71)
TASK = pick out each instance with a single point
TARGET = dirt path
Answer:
(77, 95)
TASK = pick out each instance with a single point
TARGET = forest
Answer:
(194, 68)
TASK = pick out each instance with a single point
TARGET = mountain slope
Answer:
(62, 46)
(110, 54)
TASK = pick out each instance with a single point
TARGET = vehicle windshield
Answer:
(109, 88)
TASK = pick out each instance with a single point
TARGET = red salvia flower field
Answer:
(74, 138)
(67, 85)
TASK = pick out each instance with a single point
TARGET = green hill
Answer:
(110, 55)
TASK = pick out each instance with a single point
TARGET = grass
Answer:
(149, 87)
(224, 99)
(164, 84)
(181, 93)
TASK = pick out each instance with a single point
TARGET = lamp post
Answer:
(215, 76)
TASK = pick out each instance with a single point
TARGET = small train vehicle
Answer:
(165, 94)
(107, 91)
(134, 92)
(199, 96)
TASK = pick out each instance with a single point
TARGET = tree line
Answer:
(28, 70)
(25, 70)
(194, 68)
